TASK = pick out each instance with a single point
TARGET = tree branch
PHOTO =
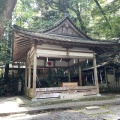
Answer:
(103, 13)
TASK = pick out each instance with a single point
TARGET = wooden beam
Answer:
(95, 74)
(16, 34)
(19, 55)
(106, 79)
(23, 44)
(22, 41)
(114, 74)
(17, 39)
(26, 77)
(69, 77)
(22, 50)
(29, 75)
(80, 73)
(34, 72)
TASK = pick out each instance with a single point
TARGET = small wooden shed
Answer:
(63, 45)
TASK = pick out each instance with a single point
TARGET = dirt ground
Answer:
(104, 112)
(112, 113)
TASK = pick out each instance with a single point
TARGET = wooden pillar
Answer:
(34, 72)
(115, 82)
(95, 74)
(106, 80)
(114, 74)
(26, 75)
(29, 75)
(69, 77)
(80, 74)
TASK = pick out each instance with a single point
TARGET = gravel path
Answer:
(74, 114)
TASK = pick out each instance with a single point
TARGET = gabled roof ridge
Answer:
(71, 21)
(62, 20)
(56, 24)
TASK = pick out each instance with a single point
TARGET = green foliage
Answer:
(99, 19)
(24, 12)
(28, 15)
(5, 47)
(102, 28)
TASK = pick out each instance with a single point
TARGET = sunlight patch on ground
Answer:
(8, 106)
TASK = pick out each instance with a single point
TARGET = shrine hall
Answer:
(60, 48)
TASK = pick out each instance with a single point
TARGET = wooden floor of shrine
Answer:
(66, 91)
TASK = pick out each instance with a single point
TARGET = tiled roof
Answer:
(69, 39)
(23, 39)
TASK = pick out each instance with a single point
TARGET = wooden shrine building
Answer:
(61, 46)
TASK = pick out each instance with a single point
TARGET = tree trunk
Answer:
(6, 15)
(82, 25)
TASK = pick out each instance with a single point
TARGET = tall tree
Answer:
(75, 8)
(103, 13)
(106, 24)
(99, 19)
(6, 9)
